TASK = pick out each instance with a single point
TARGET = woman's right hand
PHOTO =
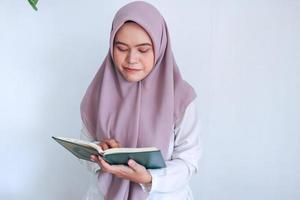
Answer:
(109, 143)
(106, 144)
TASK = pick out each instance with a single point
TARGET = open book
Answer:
(149, 157)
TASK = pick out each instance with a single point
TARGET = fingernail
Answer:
(131, 162)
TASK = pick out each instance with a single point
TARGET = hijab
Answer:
(136, 114)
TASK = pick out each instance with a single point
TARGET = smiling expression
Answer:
(133, 52)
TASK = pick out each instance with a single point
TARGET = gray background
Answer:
(242, 57)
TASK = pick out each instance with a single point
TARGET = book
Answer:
(149, 157)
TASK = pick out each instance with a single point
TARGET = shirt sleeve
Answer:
(85, 135)
(185, 155)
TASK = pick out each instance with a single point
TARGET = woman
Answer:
(138, 99)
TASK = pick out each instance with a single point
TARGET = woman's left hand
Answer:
(133, 172)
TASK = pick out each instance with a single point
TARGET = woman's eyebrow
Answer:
(137, 45)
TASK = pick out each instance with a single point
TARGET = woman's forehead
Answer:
(133, 34)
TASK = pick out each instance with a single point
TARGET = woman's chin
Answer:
(133, 77)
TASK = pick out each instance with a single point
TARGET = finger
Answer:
(94, 158)
(122, 171)
(135, 166)
(105, 166)
(103, 145)
(112, 143)
(118, 170)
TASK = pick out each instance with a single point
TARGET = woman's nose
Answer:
(132, 57)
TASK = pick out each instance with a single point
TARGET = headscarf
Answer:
(136, 114)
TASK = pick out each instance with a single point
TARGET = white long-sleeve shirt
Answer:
(184, 153)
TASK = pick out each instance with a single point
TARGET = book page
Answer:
(83, 143)
(129, 150)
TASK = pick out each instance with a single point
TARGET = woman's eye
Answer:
(121, 48)
(144, 50)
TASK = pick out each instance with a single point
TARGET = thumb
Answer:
(134, 165)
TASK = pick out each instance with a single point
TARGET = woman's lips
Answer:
(131, 69)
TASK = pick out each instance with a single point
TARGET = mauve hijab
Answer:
(136, 114)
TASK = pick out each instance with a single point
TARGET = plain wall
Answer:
(242, 57)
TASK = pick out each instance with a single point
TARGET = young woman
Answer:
(139, 99)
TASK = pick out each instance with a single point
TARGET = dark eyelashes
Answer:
(144, 50)
(140, 50)
(121, 49)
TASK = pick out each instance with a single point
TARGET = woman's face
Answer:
(133, 52)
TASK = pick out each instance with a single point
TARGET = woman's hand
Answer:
(109, 143)
(133, 172)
